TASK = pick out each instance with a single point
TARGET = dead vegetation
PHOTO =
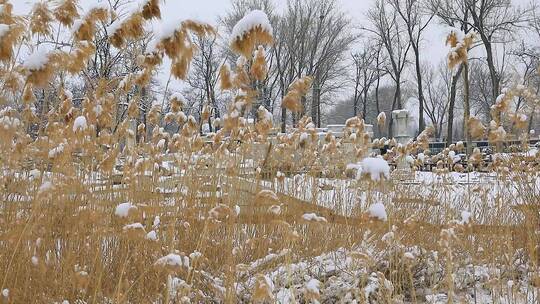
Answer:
(98, 211)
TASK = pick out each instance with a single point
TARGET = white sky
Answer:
(209, 10)
(433, 47)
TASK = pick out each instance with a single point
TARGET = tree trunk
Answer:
(319, 111)
(495, 81)
(355, 100)
(451, 106)
(283, 111)
(377, 105)
(397, 100)
(421, 122)
(467, 106)
(314, 103)
(364, 105)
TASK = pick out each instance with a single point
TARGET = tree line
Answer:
(378, 62)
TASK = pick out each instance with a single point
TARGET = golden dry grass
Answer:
(86, 217)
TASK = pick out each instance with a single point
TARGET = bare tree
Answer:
(495, 21)
(438, 88)
(312, 38)
(454, 14)
(415, 24)
(388, 30)
(366, 74)
(204, 72)
(330, 40)
(528, 62)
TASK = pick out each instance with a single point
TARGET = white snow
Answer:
(122, 210)
(451, 29)
(399, 112)
(381, 117)
(178, 96)
(173, 259)
(312, 217)
(266, 113)
(376, 167)
(254, 19)
(378, 211)
(409, 159)
(195, 255)
(34, 174)
(152, 235)
(157, 221)
(54, 152)
(80, 124)
(97, 5)
(465, 217)
(161, 144)
(408, 255)
(134, 226)
(167, 28)
(37, 60)
(313, 286)
(115, 26)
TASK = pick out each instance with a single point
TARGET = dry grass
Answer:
(208, 219)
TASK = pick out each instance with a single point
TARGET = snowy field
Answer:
(112, 191)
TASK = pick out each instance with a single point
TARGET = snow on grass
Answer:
(80, 124)
(54, 152)
(376, 167)
(266, 114)
(409, 255)
(122, 210)
(409, 159)
(37, 60)
(134, 226)
(178, 96)
(157, 221)
(254, 19)
(312, 217)
(174, 260)
(152, 236)
(313, 286)
(378, 211)
(465, 217)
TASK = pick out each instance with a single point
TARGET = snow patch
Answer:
(376, 167)
(37, 60)
(378, 211)
(123, 209)
(254, 19)
(80, 124)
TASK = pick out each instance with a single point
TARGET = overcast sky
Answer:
(209, 10)
(434, 49)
